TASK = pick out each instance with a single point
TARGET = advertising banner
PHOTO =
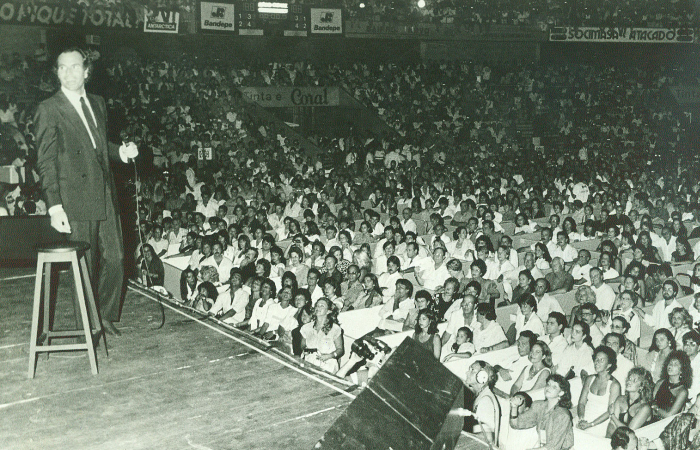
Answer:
(69, 15)
(284, 97)
(161, 21)
(686, 95)
(622, 35)
(217, 16)
(326, 21)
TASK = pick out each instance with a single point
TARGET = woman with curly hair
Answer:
(633, 409)
(322, 338)
(426, 333)
(551, 416)
(671, 391)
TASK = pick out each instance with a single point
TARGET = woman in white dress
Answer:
(322, 339)
(599, 392)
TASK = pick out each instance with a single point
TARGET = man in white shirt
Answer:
(604, 294)
(435, 274)
(230, 305)
(659, 315)
(617, 342)
(395, 311)
(589, 314)
(564, 250)
(546, 239)
(466, 318)
(509, 369)
(554, 327)
(207, 205)
(408, 224)
(546, 304)
(581, 270)
(667, 244)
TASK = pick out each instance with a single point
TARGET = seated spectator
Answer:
(619, 325)
(577, 358)
(322, 339)
(371, 295)
(662, 345)
(434, 274)
(591, 316)
(527, 318)
(151, 271)
(633, 408)
(563, 249)
(599, 393)
(490, 335)
(268, 292)
(580, 271)
(426, 333)
(604, 294)
(463, 346)
(691, 345)
(543, 259)
(559, 280)
(188, 285)
(671, 391)
(545, 302)
(550, 417)
(466, 317)
(230, 306)
(206, 296)
(422, 300)
(533, 377)
(222, 264)
(448, 301)
(681, 323)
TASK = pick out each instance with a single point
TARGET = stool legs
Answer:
(87, 328)
(35, 315)
(92, 305)
(86, 307)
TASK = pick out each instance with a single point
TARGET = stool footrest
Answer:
(61, 347)
(66, 333)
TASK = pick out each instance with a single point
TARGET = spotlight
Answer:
(421, 4)
(362, 5)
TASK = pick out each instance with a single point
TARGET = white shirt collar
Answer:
(73, 96)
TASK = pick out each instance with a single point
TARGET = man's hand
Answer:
(59, 221)
(128, 151)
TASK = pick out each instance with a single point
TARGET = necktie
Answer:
(92, 126)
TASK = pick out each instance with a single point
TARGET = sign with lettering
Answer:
(285, 97)
(326, 21)
(623, 34)
(161, 21)
(217, 16)
(69, 14)
(686, 95)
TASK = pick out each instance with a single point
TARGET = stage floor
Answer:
(183, 386)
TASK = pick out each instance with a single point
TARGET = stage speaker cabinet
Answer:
(405, 406)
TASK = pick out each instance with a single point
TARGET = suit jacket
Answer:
(73, 173)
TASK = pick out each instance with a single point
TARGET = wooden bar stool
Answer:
(73, 253)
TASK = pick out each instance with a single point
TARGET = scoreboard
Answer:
(272, 19)
(252, 18)
(268, 18)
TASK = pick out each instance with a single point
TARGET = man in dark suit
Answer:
(73, 162)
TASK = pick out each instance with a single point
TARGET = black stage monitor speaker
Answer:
(405, 406)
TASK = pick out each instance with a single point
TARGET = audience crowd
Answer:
(569, 250)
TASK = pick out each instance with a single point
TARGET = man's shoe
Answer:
(110, 328)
